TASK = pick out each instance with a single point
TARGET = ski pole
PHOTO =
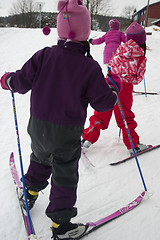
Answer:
(131, 142)
(129, 136)
(145, 86)
(21, 163)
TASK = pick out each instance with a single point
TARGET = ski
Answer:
(86, 158)
(151, 148)
(92, 226)
(19, 191)
(149, 93)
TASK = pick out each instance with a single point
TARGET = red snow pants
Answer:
(100, 120)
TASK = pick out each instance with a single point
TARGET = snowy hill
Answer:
(103, 189)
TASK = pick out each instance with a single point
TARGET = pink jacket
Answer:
(112, 39)
(129, 62)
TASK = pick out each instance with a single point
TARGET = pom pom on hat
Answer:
(136, 32)
(46, 30)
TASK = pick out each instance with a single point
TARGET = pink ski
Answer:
(19, 188)
(119, 212)
(93, 226)
(14, 171)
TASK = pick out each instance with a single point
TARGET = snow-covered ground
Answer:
(103, 188)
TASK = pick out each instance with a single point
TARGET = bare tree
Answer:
(128, 11)
(96, 7)
(25, 8)
(22, 6)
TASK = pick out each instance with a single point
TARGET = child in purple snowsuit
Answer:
(63, 81)
(112, 40)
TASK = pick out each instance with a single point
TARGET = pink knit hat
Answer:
(73, 21)
(114, 24)
(136, 32)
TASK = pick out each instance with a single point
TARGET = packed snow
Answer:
(102, 189)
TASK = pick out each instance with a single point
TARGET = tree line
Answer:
(28, 14)
(28, 20)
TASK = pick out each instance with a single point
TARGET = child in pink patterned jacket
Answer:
(129, 63)
(112, 40)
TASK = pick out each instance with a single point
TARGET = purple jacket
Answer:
(112, 40)
(63, 81)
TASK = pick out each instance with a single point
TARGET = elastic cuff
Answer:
(36, 188)
(62, 216)
(7, 81)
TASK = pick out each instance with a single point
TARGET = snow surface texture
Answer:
(103, 189)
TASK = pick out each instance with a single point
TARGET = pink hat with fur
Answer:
(114, 24)
(73, 21)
